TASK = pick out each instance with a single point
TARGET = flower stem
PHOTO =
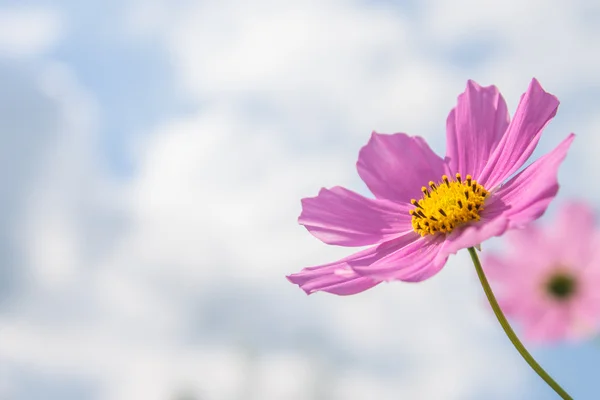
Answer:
(510, 333)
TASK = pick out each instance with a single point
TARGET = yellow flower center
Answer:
(447, 205)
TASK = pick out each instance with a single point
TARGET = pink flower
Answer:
(549, 282)
(427, 207)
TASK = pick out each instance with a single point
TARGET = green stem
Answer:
(510, 333)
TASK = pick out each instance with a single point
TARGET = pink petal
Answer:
(395, 167)
(338, 277)
(502, 271)
(575, 225)
(412, 263)
(335, 279)
(342, 217)
(576, 219)
(496, 268)
(519, 303)
(530, 192)
(473, 235)
(529, 237)
(520, 273)
(535, 110)
(531, 250)
(551, 324)
(474, 128)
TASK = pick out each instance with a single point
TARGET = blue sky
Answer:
(153, 156)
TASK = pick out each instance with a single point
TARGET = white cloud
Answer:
(282, 376)
(313, 64)
(49, 227)
(550, 40)
(28, 31)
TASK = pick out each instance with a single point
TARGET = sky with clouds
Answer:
(152, 158)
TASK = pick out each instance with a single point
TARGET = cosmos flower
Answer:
(549, 280)
(427, 207)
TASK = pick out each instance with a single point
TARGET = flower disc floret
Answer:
(561, 286)
(448, 204)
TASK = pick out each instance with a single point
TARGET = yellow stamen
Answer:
(447, 205)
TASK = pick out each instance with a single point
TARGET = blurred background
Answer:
(153, 154)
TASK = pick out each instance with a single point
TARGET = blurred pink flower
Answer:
(549, 280)
(427, 207)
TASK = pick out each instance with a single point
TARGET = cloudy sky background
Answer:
(152, 158)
